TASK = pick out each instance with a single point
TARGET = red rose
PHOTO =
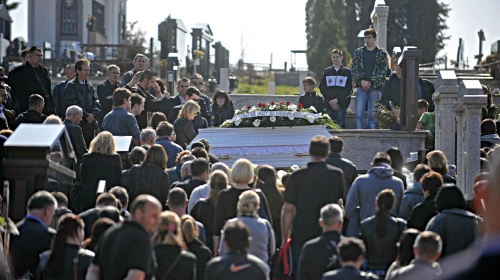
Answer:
(282, 103)
(300, 105)
(288, 103)
(248, 106)
(272, 102)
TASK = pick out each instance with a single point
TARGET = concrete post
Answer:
(270, 88)
(302, 76)
(409, 88)
(471, 100)
(444, 98)
(379, 18)
(224, 79)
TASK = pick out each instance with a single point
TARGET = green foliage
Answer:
(385, 118)
(11, 6)
(262, 89)
(136, 38)
(325, 31)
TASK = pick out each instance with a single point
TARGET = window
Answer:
(69, 17)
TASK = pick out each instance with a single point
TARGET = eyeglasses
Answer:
(195, 100)
(197, 83)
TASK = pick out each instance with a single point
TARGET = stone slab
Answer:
(446, 78)
(470, 87)
(224, 79)
(271, 85)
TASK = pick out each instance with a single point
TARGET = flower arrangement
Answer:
(387, 119)
(198, 54)
(278, 114)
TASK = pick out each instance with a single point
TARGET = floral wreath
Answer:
(278, 114)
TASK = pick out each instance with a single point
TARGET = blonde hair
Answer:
(248, 203)
(169, 230)
(437, 161)
(52, 119)
(189, 228)
(188, 108)
(103, 143)
(242, 172)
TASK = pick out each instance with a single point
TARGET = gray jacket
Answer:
(411, 197)
(418, 269)
(366, 187)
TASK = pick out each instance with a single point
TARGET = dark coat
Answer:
(391, 91)
(150, 105)
(185, 269)
(88, 102)
(84, 260)
(202, 253)
(103, 91)
(349, 169)
(189, 185)
(30, 116)
(312, 99)
(198, 122)
(33, 239)
(24, 83)
(60, 99)
(220, 115)
(427, 89)
(349, 273)
(422, 213)
(77, 141)
(185, 131)
(381, 252)
(319, 255)
(89, 217)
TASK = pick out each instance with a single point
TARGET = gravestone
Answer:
(471, 100)
(271, 88)
(224, 79)
(444, 98)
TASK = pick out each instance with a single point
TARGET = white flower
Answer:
(314, 109)
(310, 118)
(237, 121)
(272, 107)
(272, 118)
(294, 167)
(256, 123)
(237, 112)
(281, 173)
(253, 109)
(326, 116)
(292, 107)
(291, 116)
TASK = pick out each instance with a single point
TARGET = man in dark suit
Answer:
(182, 86)
(34, 234)
(74, 116)
(58, 93)
(91, 216)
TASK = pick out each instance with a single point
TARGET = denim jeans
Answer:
(337, 115)
(361, 97)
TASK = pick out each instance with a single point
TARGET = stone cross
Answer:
(444, 98)
(224, 79)
(302, 76)
(271, 87)
(379, 17)
(471, 100)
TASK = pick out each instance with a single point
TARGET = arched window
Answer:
(69, 17)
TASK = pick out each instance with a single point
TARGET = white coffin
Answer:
(279, 146)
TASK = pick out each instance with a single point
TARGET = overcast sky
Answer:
(265, 27)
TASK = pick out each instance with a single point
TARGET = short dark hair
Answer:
(121, 194)
(161, 85)
(396, 158)
(137, 155)
(192, 90)
(199, 153)
(198, 166)
(488, 126)
(420, 170)
(34, 49)
(136, 99)
(177, 197)
(35, 100)
(25, 52)
(336, 144)
(370, 31)
(184, 80)
(164, 128)
(422, 103)
(431, 181)
(106, 199)
(206, 143)
(319, 146)
(61, 198)
(450, 196)
(350, 249)
(309, 80)
(197, 145)
(110, 212)
(381, 157)
(157, 118)
(337, 51)
(237, 235)
(41, 200)
(119, 95)
(80, 62)
(147, 74)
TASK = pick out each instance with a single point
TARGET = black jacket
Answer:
(349, 273)
(25, 248)
(381, 252)
(88, 102)
(189, 185)
(312, 99)
(24, 82)
(343, 94)
(185, 131)
(150, 105)
(422, 213)
(76, 137)
(427, 89)
(198, 122)
(349, 169)
(185, 269)
(89, 217)
(319, 255)
(30, 116)
(202, 253)
(60, 99)
(391, 91)
(220, 115)
(103, 91)
(84, 260)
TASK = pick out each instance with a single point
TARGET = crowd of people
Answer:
(171, 212)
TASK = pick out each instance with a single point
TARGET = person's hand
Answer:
(90, 118)
(334, 104)
(366, 85)
(134, 80)
(166, 94)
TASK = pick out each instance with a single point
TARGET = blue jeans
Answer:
(361, 96)
(337, 115)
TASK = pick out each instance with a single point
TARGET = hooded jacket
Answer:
(366, 187)
(411, 197)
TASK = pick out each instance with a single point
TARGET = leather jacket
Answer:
(88, 102)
